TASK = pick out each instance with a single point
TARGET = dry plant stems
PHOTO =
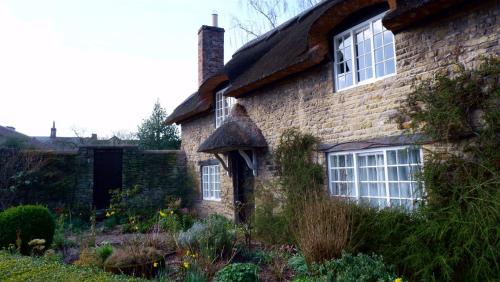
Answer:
(324, 227)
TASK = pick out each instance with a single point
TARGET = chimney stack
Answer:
(210, 50)
(53, 130)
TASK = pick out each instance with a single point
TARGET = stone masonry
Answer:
(308, 100)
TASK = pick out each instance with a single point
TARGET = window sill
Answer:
(366, 82)
(211, 199)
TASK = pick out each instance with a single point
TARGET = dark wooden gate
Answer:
(107, 175)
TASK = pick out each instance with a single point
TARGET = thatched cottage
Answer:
(339, 71)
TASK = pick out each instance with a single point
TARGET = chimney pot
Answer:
(215, 20)
(53, 130)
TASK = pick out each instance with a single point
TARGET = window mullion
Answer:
(353, 58)
(356, 186)
(372, 46)
(386, 171)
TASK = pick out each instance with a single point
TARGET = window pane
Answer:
(405, 189)
(379, 56)
(414, 156)
(402, 156)
(393, 173)
(363, 189)
(389, 67)
(377, 26)
(403, 173)
(378, 40)
(391, 157)
(348, 79)
(379, 69)
(394, 190)
(349, 161)
(388, 37)
(388, 51)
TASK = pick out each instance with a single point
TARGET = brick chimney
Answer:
(53, 130)
(210, 50)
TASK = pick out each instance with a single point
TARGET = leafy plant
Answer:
(26, 223)
(104, 251)
(238, 272)
(23, 268)
(363, 268)
(213, 237)
(457, 238)
(155, 134)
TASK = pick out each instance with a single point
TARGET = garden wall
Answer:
(69, 179)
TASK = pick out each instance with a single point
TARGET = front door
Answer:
(107, 175)
(242, 187)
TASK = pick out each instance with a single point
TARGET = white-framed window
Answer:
(211, 182)
(223, 107)
(380, 177)
(363, 54)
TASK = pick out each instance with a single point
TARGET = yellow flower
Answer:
(398, 280)
(108, 214)
(113, 212)
(186, 264)
(171, 212)
(155, 264)
(187, 253)
(162, 214)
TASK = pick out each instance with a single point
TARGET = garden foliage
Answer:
(22, 224)
(238, 272)
(18, 268)
(457, 236)
(212, 237)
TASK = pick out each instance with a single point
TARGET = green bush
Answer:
(212, 237)
(18, 268)
(30, 222)
(362, 268)
(238, 272)
(104, 251)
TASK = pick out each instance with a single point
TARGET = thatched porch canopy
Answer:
(238, 132)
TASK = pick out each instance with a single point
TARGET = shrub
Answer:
(324, 227)
(362, 268)
(269, 222)
(89, 258)
(213, 237)
(238, 272)
(457, 238)
(104, 251)
(30, 222)
(19, 268)
(134, 260)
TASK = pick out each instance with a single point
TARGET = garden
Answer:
(297, 232)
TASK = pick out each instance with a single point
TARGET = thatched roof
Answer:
(238, 132)
(296, 45)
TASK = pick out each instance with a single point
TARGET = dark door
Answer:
(243, 187)
(107, 175)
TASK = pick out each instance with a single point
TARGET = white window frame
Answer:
(210, 182)
(356, 197)
(223, 107)
(352, 32)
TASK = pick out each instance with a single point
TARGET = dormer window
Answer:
(363, 54)
(223, 107)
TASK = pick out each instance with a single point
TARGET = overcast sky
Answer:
(99, 65)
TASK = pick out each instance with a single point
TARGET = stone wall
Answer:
(159, 172)
(308, 100)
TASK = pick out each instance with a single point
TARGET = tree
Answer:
(264, 15)
(155, 134)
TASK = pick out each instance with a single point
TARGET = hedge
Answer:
(23, 268)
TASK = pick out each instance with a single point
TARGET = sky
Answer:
(98, 66)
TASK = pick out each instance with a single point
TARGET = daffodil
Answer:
(162, 214)
(108, 214)
(155, 264)
(186, 264)
(398, 280)
(171, 212)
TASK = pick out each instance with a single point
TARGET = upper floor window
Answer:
(379, 177)
(223, 107)
(363, 54)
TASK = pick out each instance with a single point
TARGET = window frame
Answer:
(222, 113)
(357, 180)
(211, 191)
(352, 30)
